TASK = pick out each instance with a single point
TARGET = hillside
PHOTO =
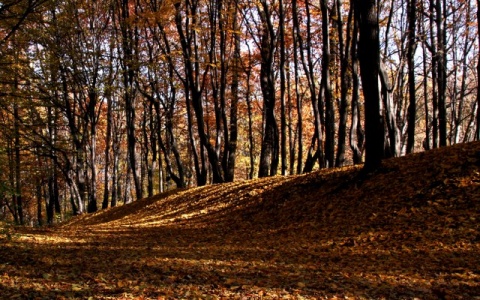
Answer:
(410, 230)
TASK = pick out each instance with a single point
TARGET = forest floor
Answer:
(408, 231)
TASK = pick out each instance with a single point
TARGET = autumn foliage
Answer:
(407, 231)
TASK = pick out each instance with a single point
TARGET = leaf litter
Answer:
(407, 231)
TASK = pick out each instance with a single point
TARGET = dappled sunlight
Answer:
(408, 231)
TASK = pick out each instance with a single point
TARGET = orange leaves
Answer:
(408, 231)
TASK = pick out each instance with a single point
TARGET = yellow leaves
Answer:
(76, 287)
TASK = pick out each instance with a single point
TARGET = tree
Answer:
(327, 88)
(129, 43)
(477, 130)
(14, 14)
(369, 56)
(357, 135)
(412, 108)
(270, 148)
(344, 48)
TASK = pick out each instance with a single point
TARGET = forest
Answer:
(110, 101)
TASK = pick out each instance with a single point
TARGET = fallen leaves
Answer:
(408, 231)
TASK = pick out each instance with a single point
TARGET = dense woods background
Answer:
(103, 102)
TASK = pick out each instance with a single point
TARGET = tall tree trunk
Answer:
(269, 152)
(387, 91)
(129, 37)
(468, 44)
(296, 47)
(356, 131)
(344, 49)
(92, 194)
(192, 83)
(53, 204)
(315, 151)
(291, 133)
(477, 130)
(433, 50)
(251, 140)
(11, 178)
(442, 72)
(108, 138)
(369, 56)
(169, 146)
(115, 183)
(412, 107)
(18, 179)
(146, 129)
(233, 126)
(16, 128)
(283, 117)
(327, 88)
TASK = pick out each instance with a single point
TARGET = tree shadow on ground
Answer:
(176, 262)
(408, 232)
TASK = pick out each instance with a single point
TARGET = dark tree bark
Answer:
(17, 12)
(116, 137)
(357, 135)
(426, 141)
(168, 145)
(269, 152)
(441, 69)
(316, 151)
(129, 38)
(18, 180)
(53, 204)
(283, 117)
(327, 88)
(434, 70)
(344, 50)
(412, 45)
(369, 56)
(194, 89)
(477, 130)
(230, 155)
(108, 141)
(297, 42)
(392, 146)
(92, 191)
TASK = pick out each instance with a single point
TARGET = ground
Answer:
(407, 231)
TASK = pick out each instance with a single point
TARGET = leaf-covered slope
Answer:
(414, 189)
(408, 231)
